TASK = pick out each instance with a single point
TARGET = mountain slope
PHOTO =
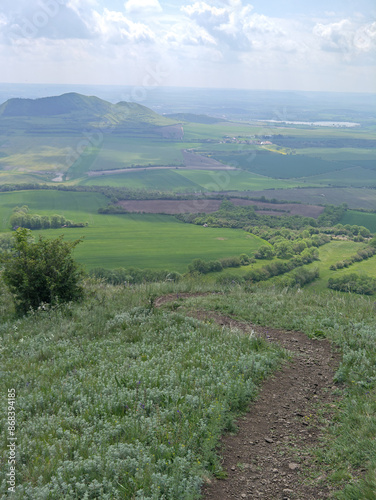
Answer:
(79, 109)
(54, 106)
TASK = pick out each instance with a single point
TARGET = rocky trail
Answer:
(270, 456)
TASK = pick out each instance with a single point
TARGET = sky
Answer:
(325, 45)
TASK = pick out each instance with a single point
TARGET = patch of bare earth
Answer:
(270, 456)
(210, 205)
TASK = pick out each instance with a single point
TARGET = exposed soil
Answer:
(208, 206)
(354, 197)
(270, 456)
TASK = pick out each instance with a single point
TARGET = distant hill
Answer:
(192, 118)
(80, 109)
(54, 106)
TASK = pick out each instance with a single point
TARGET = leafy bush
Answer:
(265, 252)
(203, 267)
(364, 285)
(300, 277)
(230, 262)
(41, 272)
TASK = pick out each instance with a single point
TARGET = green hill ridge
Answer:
(82, 108)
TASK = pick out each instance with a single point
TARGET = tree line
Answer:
(22, 218)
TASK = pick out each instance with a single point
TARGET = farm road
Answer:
(270, 456)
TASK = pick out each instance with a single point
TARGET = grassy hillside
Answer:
(122, 400)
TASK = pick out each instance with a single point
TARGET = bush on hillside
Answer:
(41, 272)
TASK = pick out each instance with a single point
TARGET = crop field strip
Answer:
(209, 206)
(363, 198)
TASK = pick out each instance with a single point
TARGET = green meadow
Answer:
(367, 220)
(331, 253)
(123, 152)
(351, 176)
(186, 179)
(163, 179)
(234, 180)
(279, 166)
(131, 240)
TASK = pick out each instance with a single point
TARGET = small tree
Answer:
(265, 252)
(41, 272)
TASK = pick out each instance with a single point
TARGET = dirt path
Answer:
(270, 455)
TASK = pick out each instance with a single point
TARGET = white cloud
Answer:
(335, 36)
(53, 20)
(205, 14)
(217, 42)
(235, 26)
(258, 23)
(142, 6)
(189, 34)
(114, 27)
(365, 38)
(348, 37)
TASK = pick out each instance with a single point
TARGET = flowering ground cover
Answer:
(116, 399)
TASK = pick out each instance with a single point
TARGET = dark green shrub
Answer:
(362, 284)
(265, 252)
(230, 262)
(41, 272)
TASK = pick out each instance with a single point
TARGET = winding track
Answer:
(271, 453)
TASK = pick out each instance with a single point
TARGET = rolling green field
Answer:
(330, 253)
(346, 155)
(280, 166)
(134, 240)
(164, 180)
(351, 177)
(125, 152)
(234, 180)
(360, 219)
(189, 180)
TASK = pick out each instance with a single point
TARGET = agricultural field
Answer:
(95, 136)
(235, 180)
(189, 180)
(279, 166)
(354, 197)
(360, 219)
(329, 254)
(211, 205)
(160, 179)
(348, 177)
(119, 152)
(134, 240)
(334, 252)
